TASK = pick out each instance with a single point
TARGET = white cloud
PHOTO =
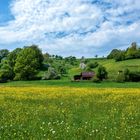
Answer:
(73, 27)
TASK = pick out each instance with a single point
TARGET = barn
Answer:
(84, 76)
(87, 75)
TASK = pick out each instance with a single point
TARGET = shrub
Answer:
(5, 75)
(134, 76)
(51, 74)
(102, 73)
(120, 56)
(71, 60)
(93, 65)
(126, 74)
(6, 72)
(88, 69)
(96, 80)
(120, 78)
(3, 53)
(62, 69)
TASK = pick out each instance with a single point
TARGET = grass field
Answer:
(43, 110)
(68, 83)
(112, 66)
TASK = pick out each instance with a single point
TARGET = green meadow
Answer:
(66, 110)
(112, 66)
(34, 112)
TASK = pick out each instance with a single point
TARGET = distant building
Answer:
(82, 65)
(87, 75)
(84, 76)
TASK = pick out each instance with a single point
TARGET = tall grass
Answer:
(69, 113)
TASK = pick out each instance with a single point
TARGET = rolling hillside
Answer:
(112, 66)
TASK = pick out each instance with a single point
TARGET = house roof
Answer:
(87, 74)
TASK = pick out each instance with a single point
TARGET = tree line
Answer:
(20, 64)
(26, 63)
(132, 52)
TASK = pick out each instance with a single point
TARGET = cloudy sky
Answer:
(70, 27)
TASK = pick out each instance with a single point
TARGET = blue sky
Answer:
(5, 14)
(70, 27)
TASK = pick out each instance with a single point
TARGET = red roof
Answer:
(87, 74)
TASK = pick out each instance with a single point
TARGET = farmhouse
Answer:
(84, 76)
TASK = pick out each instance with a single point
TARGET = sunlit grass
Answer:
(69, 113)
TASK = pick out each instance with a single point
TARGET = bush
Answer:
(4, 76)
(88, 69)
(6, 72)
(102, 73)
(3, 54)
(51, 74)
(120, 56)
(71, 60)
(134, 76)
(126, 74)
(62, 70)
(96, 80)
(92, 65)
(120, 78)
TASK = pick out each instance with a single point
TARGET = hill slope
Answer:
(112, 66)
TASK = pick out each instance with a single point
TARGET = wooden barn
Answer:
(87, 75)
(84, 76)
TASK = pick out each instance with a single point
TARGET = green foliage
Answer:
(113, 53)
(120, 77)
(132, 52)
(4, 76)
(88, 69)
(6, 72)
(3, 53)
(96, 80)
(137, 54)
(134, 76)
(45, 67)
(120, 56)
(57, 57)
(11, 60)
(29, 67)
(51, 74)
(101, 73)
(92, 65)
(71, 60)
(64, 113)
(126, 74)
(62, 69)
(46, 57)
(29, 61)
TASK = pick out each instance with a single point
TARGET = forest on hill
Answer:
(132, 52)
(29, 63)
